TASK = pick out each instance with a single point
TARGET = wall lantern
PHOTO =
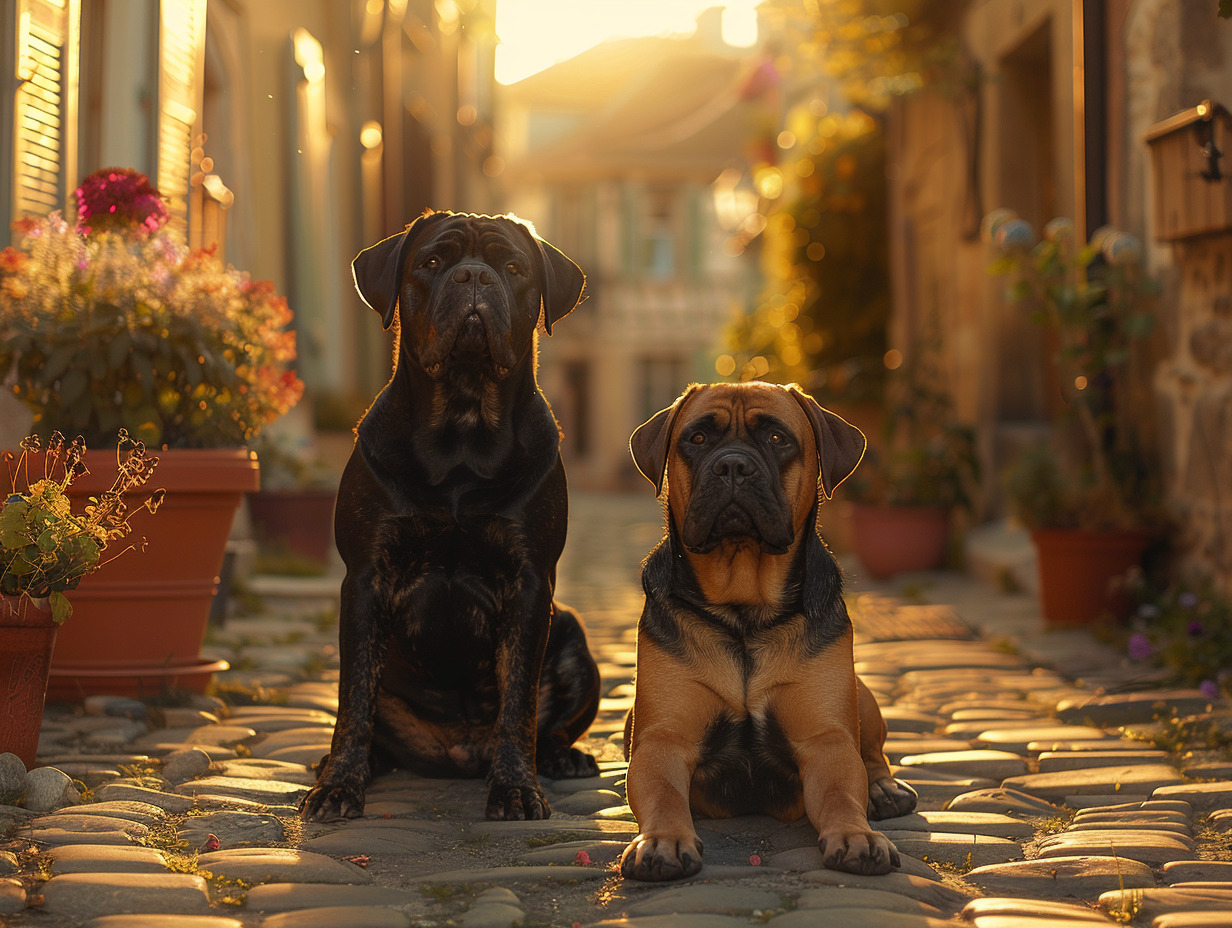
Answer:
(1193, 193)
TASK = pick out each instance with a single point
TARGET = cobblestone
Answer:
(1034, 806)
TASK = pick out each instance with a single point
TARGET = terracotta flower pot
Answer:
(27, 636)
(891, 540)
(138, 623)
(1077, 570)
(301, 521)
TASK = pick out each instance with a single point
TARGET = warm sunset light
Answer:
(537, 33)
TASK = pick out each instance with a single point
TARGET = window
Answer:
(45, 106)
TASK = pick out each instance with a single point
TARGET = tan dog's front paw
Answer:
(655, 859)
(866, 852)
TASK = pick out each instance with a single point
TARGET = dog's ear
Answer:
(563, 283)
(840, 445)
(378, 269)
(650, 440)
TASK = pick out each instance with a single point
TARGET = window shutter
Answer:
(181, 64)
(45, 111)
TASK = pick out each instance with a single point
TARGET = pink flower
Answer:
(119, 199)
(583, 858)
(755, 860)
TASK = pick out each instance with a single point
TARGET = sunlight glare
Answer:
(535, 34)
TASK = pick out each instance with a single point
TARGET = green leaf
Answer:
(47, 540)
(73, 387)
(61, 608)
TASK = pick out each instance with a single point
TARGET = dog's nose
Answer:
(467, 273)
(734, 466)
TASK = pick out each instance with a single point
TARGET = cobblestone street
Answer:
(1058, 787)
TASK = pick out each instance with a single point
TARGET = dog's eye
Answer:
(698, 438)
(776, 438)
(432, 263)
(513, 268)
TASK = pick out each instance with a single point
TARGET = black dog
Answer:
(450, 518)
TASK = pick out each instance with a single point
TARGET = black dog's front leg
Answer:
(342, 782)
(514, 787)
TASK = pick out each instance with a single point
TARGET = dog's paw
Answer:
(866, 852)
(329, 801)
(517, 802)
(567, 764)
(655, 859)
(889, 798)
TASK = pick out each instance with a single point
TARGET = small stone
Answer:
(908, 720)
(333, 916)
(705, 897)
(8, 863)
(991, 906)
(1198, 871)
(388, 842)
(587, 802)
(958, 850)
(12, 778)
(284, 897)
(835, 897)
(1150, 847)
(167, 801)
(1132, 708)
(164, 921)
(1003, 801)
(233, 829)
(182, 717)
(92, 858)
(129, 811)
(1215, 918)
(267, 865)
(971, 823)
(12, 896)
(81, 895)
(1061, 877)
(896, 748)
(1053, 761)
(1019, 740)
(84, 829)
(924, 890)
(48, 788)
(182, 766)
(269, 791)
(292, 738)
(120, 706)
(1096, 781)
(492, 915)
(250, 769)
(1202, 797)
(1151, 903)
(995, 765)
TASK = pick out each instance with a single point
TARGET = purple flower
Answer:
(1015, 235)
(1188, 600)
(1140, 647)
(1209, 688)
(1196, 628)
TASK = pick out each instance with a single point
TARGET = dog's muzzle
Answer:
(471, 319)
(736, 496)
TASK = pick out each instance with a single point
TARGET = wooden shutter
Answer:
(181, 64)
(45, 110)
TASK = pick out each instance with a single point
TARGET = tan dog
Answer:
(747, 699)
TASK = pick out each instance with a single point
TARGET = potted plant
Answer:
(293, 512)
(1088, 496)
(46, 550)
(113, 322)
(909, 485)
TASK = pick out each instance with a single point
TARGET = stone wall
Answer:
(1194, 408)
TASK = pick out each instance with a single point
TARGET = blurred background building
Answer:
(804, 207)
